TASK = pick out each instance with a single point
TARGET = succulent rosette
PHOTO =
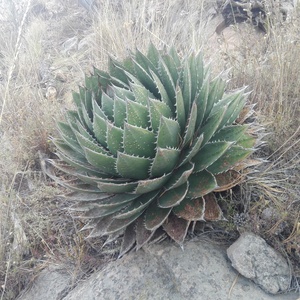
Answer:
(149, 144)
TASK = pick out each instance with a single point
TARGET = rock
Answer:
(165, 271)
(53, 283)
(252, 257)
(161, 271)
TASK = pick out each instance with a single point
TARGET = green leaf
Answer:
(114, 139)
(162, 92)
(176, 228)
(201, 183)
(117, 188)
(128, 239)
(73, 154)
(180, 176)
(99, 226)
(246, 141)
(180, 112)
(191, 209)
(153, 55)
(149, 185)
(119, 112)
(211, 125)
(155, 216)
(190, 126)
(209, 154)
(137, 206)
(229, 159)
(100, 129)
(168, 133)
(166, 79)
(141, 94)
(188, 154)
(230, 133)
(107, 106)
(97, 212)
(139, 141)
(134, 167)
(156, 110)
(137, 114)
(173, 197)
(201, 101)
(171, 66)
(118, 224)
(117, 71)
(142, 234)
(164, 161)
(105, 163)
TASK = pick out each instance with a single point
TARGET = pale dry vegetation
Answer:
(47, 47)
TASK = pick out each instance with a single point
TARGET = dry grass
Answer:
(48, 46)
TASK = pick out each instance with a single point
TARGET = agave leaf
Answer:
(194, 75)
(176, 228)
(68, 151)
(85, 196)
(119, 112)
(139, 141)
(211, 125)
(87, 121)
(156, 110)
(88, 102)
(137, 114)
(144, 62)
(89, 143)
(118, 224)
(113, 236)
(141, 94)
(191, 124)
(246, 141)
(180, 176)
(137, 206)
(208, 154)
(201, 100)
(122, 93)
(162, 92)
(102, 211)
(116, 200)
(69, 137)
(201, 183)
(180, 112)
(76, 99)
(155, 216)
(192, 151)
(79, 165)
(173, 197)
(100, 227)
(238, 106)
(114, 139)
(228, 180)
(149, 185)
(216, 91)
(129, 166)
(246, 112)
(164, 161)
(168, 133)
(100, 129)
(107, 106)
(153, 55)
(144, 77)
(213, 211)
(171, 66)
(117, 71)
(142, 234)
(174, 55)
(229, 159)
(186, 87)
(167, 80)
(230, 133)
(128, 239)
(105, 163)
(191, 209)
(117, 188)
(103, 78)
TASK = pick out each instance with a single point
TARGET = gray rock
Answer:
(252, 257)
(165, 271)
(53, 283)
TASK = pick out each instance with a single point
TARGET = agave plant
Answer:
(150, 143)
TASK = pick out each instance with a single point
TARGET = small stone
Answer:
(252, 257)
